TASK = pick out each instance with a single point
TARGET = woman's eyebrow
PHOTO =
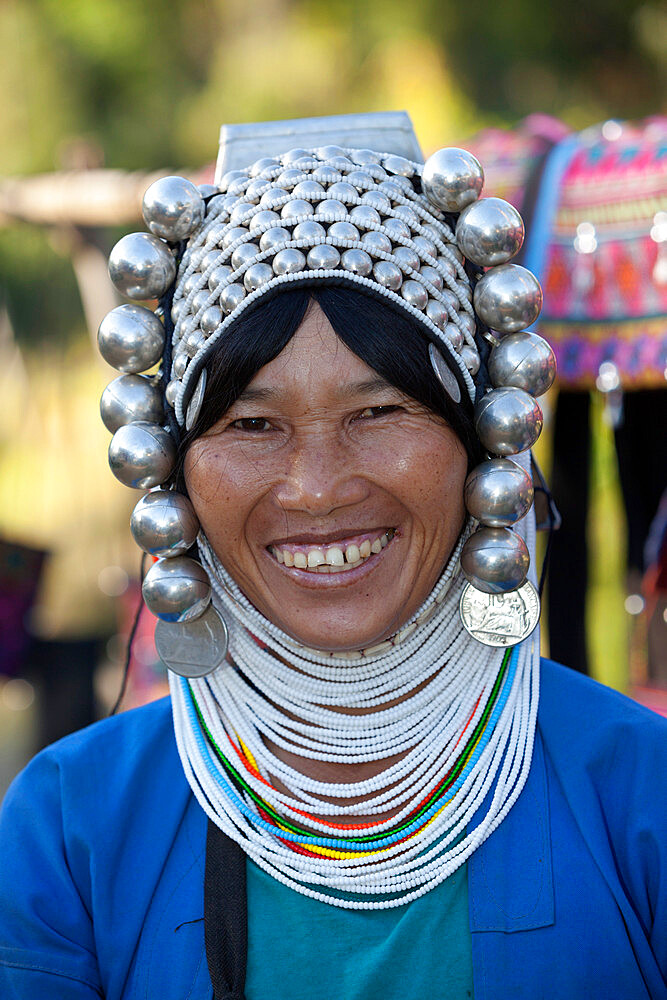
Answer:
(254, 394)
(366, 387)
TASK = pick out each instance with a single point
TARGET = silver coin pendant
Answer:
(500, 619)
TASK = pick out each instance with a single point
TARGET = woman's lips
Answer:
(335, 556)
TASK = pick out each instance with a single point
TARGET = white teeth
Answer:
(333, 559)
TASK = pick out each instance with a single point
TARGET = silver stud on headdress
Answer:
(378, 221)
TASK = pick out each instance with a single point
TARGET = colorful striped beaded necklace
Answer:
(460, 739)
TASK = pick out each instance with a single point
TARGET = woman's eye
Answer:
(377, 411)
(252, 424)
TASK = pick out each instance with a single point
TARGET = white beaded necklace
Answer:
(275, 690)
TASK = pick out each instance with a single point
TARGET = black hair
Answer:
(385, 337)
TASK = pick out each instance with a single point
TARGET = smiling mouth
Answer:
(335, 557)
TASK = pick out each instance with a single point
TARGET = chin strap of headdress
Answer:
(417, 235)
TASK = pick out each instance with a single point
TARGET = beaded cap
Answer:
(354, 216)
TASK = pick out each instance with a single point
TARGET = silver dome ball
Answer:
(131, 338)
(378, 201)
(323, 256)
(388, 274)
(265, 163)
(211, 320)
(309, 190)
(498, 493)
(141, 266)
(233, 234)
(433, 276)
(364, 215)
(489, 232)
(398, 165)
(176, 590)
(173, 208)
(467, 323)
(454, 336)
(257, 275)
(425, 246)
(293, 154)
(372, 240)
(452, 179)
(470, 358)
(255, 190)
(269, 197)
(407, 215)
(342, 191)
(414, 293)
(508, 298)
(289, 261)
(263, 218)
(357, 262)
(164, 523)
(200, 300)
(343, 231)
(296, 208)
(171, 392)
(308, 231)
(288, 179)
(332, 210)
(397, 229)
(218, 276)
(142, 455)
(361, 180)
(523, 360)
(231, 297)
(495, 560)
(392, 191)
(244, 254)
(329, 152)
(275, 237)
(406, 258)
(507, 421)
(365, 156)
(437, 313)
(129, 398)
(325, 175)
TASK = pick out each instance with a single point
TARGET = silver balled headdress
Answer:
(415, 234)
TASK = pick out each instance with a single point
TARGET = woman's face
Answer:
(331, 498)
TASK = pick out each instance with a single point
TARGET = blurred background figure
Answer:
(595, 204)
(103, 97)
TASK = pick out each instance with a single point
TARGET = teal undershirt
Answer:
(301, 949)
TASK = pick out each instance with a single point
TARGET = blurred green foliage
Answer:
(146, 85)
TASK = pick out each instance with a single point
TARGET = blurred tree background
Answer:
(145, 85)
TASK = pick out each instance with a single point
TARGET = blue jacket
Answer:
(102, 854)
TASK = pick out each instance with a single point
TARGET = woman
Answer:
(357, 797)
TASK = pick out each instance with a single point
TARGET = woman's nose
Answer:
(322, 476)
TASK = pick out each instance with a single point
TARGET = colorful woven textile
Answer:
(605, 262)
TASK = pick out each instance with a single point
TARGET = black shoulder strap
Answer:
(225, 915)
